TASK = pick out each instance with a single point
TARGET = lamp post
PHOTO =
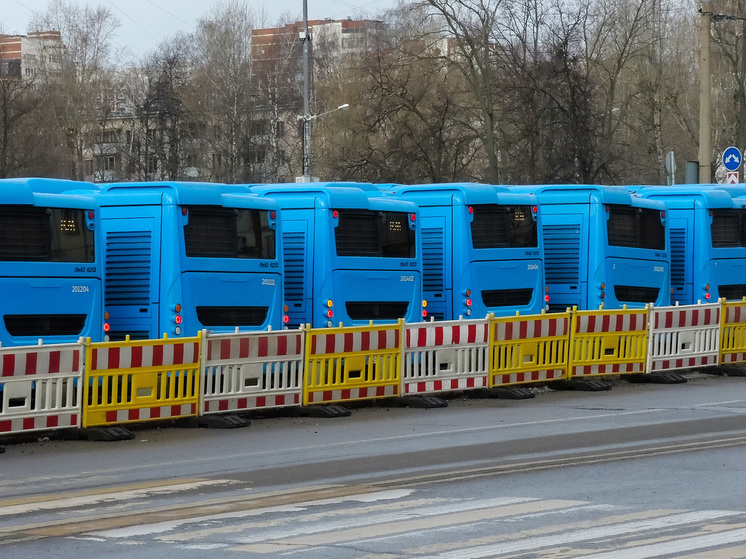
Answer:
(307, 118)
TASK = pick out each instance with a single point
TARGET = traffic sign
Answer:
(732, 158)
(732, 177)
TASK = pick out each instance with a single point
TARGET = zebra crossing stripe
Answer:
(572, 537)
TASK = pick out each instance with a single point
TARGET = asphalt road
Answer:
(642, 470)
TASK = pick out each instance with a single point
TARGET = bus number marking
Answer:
(268, 281)
(533, 266)
(80, 289)
(407, 278)
(658, 269)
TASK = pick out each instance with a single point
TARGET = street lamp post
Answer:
(307, 118)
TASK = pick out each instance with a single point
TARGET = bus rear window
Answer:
(635, 227)
(728, 228)
(371, 233)
(228, 233)
(45, 235)
(495, 226)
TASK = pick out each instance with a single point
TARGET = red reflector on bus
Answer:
(107, 327)
(177, 319)
(286, 319)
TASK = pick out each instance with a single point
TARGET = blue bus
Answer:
(481, 249)
(351, 255)
(603, 248)
(50, 257)
(182, 257)
(708, 241)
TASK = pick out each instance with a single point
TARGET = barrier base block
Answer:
(218, 422)
(415, 401)
(328, 412)
(107, 434)
(582, 385)
(657, 378)
(503, 393)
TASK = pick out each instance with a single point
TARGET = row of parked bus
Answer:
(147, 259)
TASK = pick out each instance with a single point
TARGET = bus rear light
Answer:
(424, 313)
(184, 210)
(107, 327)
(329, 313)
(412, 217)
(91, 214)
(468, 312)
(286, 319)
(177, 319)
(272, 215)
(424, 303)
(471, 209)
(535, 209)
(603, 295)
(467, 293)
(106, 315)
(177, 330)
(707, 295)
(335, 214)
(329, 303)
(287, 308)
(468, 302)
(546, 298)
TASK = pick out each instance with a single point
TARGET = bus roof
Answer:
(183, 193)
(47, 192)
(582, 193)
(685, 196)
(339, 195)
(472, 193)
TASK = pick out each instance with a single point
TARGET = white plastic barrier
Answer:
(40, 387)
(444, 356)
(247, 371)
(684, 337)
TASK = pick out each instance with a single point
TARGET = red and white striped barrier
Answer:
(445, 356)
(353, 363)
(530, 348)
(40, 387)
(608, 342)
(684, 337)
(141, 380)
(247, 371)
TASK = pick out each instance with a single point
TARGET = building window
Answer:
(152, 164)
(280, 129)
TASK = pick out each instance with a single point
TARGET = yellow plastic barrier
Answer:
(352, 363)
(733, 333)
(141, 380)
(528, 349)
(608, 342)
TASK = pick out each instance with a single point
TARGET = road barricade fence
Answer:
(40, 387)
(684, 337)
(445, 356)
(141, 380)
(608, 342)
(248, 371)
(529, 349)
(352, 363)
(58, 386)
(733, 333)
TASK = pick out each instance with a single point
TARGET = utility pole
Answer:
(705, 92)
(306, 38)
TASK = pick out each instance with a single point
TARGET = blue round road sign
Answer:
(732, 158)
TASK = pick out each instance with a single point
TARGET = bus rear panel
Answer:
(481, 249)
(182, 257)
(351, 255)
(50, 268)
(603, 248)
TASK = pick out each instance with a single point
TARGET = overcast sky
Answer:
(145, 23)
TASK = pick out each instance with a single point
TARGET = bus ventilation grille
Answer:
(40, 325)
(562, 254)
(635, 294)
(507, 297)
(294, 256)
(678, 256)
(433, 259)
(128, 261)
(376, 310)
